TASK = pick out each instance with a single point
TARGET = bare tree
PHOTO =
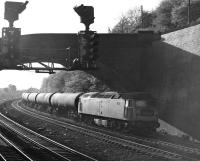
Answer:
(122, 26)
(132, 21)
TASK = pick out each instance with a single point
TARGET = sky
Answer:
(58, 16)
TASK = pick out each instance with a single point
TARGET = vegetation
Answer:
(72, 81)
(169, 15)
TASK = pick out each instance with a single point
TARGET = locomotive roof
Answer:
(116, 95)
(136, 95)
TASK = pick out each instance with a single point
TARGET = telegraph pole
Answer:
(189, 11)
(142, 21)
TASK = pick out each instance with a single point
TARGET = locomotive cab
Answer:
(139, 112)
(133, 108)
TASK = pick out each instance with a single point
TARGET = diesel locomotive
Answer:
(109, 109)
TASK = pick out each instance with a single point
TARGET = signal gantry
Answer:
(17, 53)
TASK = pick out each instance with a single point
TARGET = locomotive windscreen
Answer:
(139, 96)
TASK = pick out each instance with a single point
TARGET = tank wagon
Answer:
(110, 109)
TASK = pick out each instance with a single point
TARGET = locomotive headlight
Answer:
(140, 103)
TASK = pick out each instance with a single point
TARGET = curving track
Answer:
(52, 150)
(145, 146)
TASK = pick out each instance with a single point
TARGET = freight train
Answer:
(109, 109)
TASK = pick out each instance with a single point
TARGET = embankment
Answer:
(171, 72)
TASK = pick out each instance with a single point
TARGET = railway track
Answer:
(11, 152)
(184, 149)
(141, 147)
(46, 148)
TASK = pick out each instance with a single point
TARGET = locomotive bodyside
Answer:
(102, 107)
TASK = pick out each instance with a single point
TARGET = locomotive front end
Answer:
(140, 113)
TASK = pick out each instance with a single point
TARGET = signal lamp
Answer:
(86, 14)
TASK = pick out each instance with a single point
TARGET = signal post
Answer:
(11, 35)
(88, 40)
